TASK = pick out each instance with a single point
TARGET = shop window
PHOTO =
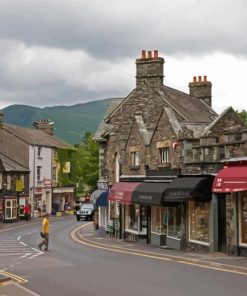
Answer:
(164, 155)
(174, 222)
(10, 209)
(243, 218)
(135, 160)
(133, 215)
(159, 220)
(136, 218)
(198, 221)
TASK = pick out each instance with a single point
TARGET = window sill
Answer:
(135, 167)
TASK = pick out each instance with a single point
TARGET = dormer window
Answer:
(135, 160)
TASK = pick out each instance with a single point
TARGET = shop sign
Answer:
(66, 167)
(38, 190)
(47, 182)
(19, 186)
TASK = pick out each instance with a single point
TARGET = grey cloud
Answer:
(113, 28)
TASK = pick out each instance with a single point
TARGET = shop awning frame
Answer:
(100, 198)
(231, 179)
(150, 193)
(189, 187)
(122, 192)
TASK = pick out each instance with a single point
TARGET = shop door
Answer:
(148, 225)
(222, 223)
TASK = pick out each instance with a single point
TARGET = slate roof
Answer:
(34, 136)
(11, 165)
(191, 108)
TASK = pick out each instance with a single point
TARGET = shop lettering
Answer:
(178, 193)
(146, 197)
(119, 194)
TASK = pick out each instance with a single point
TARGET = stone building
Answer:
(35, 149)
(169, 145)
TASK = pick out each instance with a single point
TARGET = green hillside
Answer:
(71, 122)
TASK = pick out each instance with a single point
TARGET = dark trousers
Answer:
(45, 241)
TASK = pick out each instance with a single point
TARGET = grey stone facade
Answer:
(154, 117)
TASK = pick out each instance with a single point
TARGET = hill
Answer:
(71, 122)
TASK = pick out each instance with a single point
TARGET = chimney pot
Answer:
(156, 54)
(199, 78)
(150, 54)
(194, 79)
(205, 78)
(143, 54)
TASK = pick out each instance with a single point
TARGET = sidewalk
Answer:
(100, 237)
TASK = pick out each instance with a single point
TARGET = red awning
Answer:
(231, 179)
(122, 192)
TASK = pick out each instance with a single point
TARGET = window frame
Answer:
(164, 155)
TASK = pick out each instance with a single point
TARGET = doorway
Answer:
(222, 223)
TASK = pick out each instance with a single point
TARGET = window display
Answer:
(136, 218)
(198, 223)
(174, 222)
(159, 220)
(243, 218)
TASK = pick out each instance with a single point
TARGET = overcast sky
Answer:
(63, 52)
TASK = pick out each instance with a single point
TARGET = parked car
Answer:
(86, 212)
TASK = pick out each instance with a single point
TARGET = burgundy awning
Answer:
(122, 192)
(231, 179)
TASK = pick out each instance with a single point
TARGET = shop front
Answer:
(150, 196)
(230, 189)
(188, 222)
(63, 200)
(100, 200)
(125, 219)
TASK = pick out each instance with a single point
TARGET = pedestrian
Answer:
(27, 211)
(43, 208)
(45, 232)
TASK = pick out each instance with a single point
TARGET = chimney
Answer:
(143, 54)
(201, 89)
(1, 119)
(45, 125)
(149, 70)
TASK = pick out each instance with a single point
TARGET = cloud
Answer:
(56, 52)
(113, 27)
(52, 75)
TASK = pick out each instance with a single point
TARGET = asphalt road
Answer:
(70, 268)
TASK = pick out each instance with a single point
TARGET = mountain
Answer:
(71, 122)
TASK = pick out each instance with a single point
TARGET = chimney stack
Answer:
(149, 70)
(45, 125)
(201, 89)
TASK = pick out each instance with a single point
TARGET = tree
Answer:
(86, 162)
(243, 115)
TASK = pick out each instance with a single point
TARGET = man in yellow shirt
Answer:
(45, 232)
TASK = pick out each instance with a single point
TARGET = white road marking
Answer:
(19, 237)
(17, 248)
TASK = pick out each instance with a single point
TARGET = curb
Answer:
(4, 278)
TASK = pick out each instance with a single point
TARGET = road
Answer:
(71, 268)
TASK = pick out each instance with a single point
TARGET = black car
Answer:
(86, 212)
